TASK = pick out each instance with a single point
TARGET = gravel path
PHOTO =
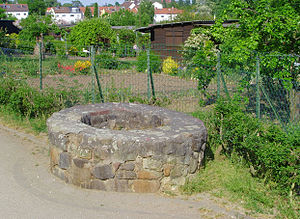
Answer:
(28, 190)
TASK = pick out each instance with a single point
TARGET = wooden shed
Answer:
(9, 27)
(167, 39)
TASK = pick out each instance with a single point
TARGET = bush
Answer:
(200, 56)
(155, 62)
(269, 151)
(107, 61)
(170, 66)
(31, 103)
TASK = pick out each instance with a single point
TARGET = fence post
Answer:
(218, 74)
(96, 73)
(41, 64)
(66, 45)
(257, 87)
(148, 74)
(150, 78)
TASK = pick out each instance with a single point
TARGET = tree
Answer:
(67, 5)
(145, 14)
(35, 25)
(96, 10)
(77, 3)
(117, 4)
(269, 29)
(122, 18)
(264, 26)
(87, 13)
(2, 14)
(164, 3)
(205, 8)
(36, 7)
(92, 32)
(52, 3)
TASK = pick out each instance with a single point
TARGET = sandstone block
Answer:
(80, 162)
(64, 160)
(145, 186)
(127, 166)
(103, 172)
(54, 157)
(125, 174)
(177, 171)
(193, 166)
(167, 169)
(122, 186)
(151, 164)
(80, 176)
(149, 175)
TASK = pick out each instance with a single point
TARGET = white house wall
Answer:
(164, 17)
(18, 15)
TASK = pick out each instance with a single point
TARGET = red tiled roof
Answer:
(15, 7)
(168, 11)
(82, 9)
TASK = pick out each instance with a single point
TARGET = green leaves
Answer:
(92, 32)
(35, 25)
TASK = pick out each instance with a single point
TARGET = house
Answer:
(167, 39)
(157, 5)
(130, 5)
(166, 14)
(19, 11)
(65, 15)
(102, 10)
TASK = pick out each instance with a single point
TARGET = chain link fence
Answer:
(157, 75)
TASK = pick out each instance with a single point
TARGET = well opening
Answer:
(122, 120)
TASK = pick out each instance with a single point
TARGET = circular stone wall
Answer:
(125, 147)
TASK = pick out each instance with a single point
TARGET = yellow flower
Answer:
(170, 66)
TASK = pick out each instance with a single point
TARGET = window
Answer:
(18, 14)
(24, 13)
(63, 15)
(72, 15)
(161, 16)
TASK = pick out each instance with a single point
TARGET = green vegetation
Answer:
(226, 179)
(94, 31)
(87, 13)
(254, 149)
(142, 60)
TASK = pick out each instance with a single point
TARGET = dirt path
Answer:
(28, 190)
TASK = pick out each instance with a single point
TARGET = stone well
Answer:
(125, 147)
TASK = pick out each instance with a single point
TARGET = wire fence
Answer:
(126, 73)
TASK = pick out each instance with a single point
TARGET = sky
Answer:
(89, 2)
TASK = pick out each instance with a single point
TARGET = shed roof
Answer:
(184, 23)
(8, 26)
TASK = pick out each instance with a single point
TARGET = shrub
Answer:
(269, 151)
(107, 61)
(200, 55)
(170, 66)
(31, 103)
(155, 62)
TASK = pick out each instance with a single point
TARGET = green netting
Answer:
(158, 75)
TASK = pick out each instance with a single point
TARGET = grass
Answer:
(222, 178)
(13, 120)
